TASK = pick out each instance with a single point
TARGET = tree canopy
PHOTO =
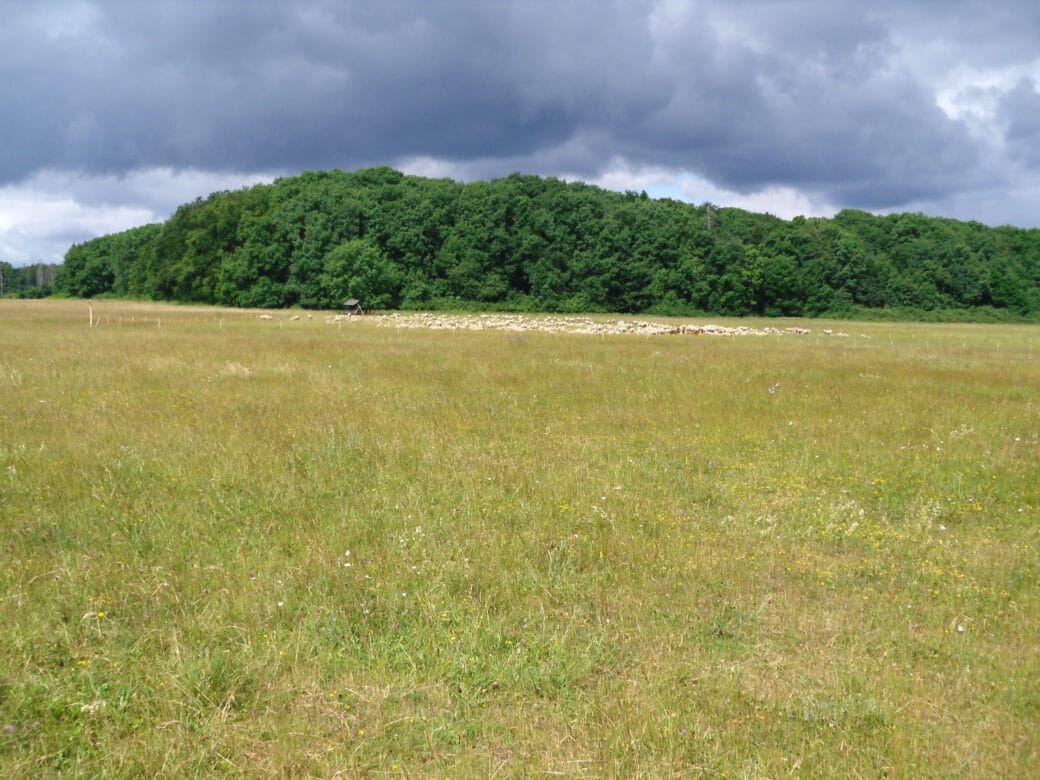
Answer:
(29, 281)
(541, 244)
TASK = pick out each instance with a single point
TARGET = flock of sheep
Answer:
(558, 324)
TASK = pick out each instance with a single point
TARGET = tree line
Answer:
(29, 281)
(528, 243)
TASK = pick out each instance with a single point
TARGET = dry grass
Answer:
(585, 556)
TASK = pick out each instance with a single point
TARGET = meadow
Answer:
(244, 547)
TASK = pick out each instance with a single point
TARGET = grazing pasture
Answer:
(301, 547)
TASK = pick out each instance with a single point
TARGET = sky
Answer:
(115, 113)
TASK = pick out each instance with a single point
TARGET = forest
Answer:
(28, 281)
(528, 243)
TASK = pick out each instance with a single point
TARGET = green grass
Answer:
(253, 548)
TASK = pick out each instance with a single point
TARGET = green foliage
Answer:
(31, 281)
(532, 243)
(122, 263)
(359, 269)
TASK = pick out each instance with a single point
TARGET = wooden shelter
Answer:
(352, 306)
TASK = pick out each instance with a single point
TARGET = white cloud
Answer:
(973, 96)
(621, 176)
(783, 202)
(659, 182)
(44, 215)
(39, 226)
(429, 167)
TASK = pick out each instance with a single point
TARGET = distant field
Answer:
(245, 547)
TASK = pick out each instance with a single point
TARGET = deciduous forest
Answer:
(29, 281)
(527, 243)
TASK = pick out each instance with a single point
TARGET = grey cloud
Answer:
(798, 115)
(829, 98)
(1020, 109)
(990, 33)
(229, 86)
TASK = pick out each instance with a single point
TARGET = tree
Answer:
(359, 269)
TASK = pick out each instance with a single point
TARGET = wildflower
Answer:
(9, 728)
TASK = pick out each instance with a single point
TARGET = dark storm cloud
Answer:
(242, 86)
(872, 105)
(800, 95)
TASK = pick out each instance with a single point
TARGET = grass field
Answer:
(293, 548)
